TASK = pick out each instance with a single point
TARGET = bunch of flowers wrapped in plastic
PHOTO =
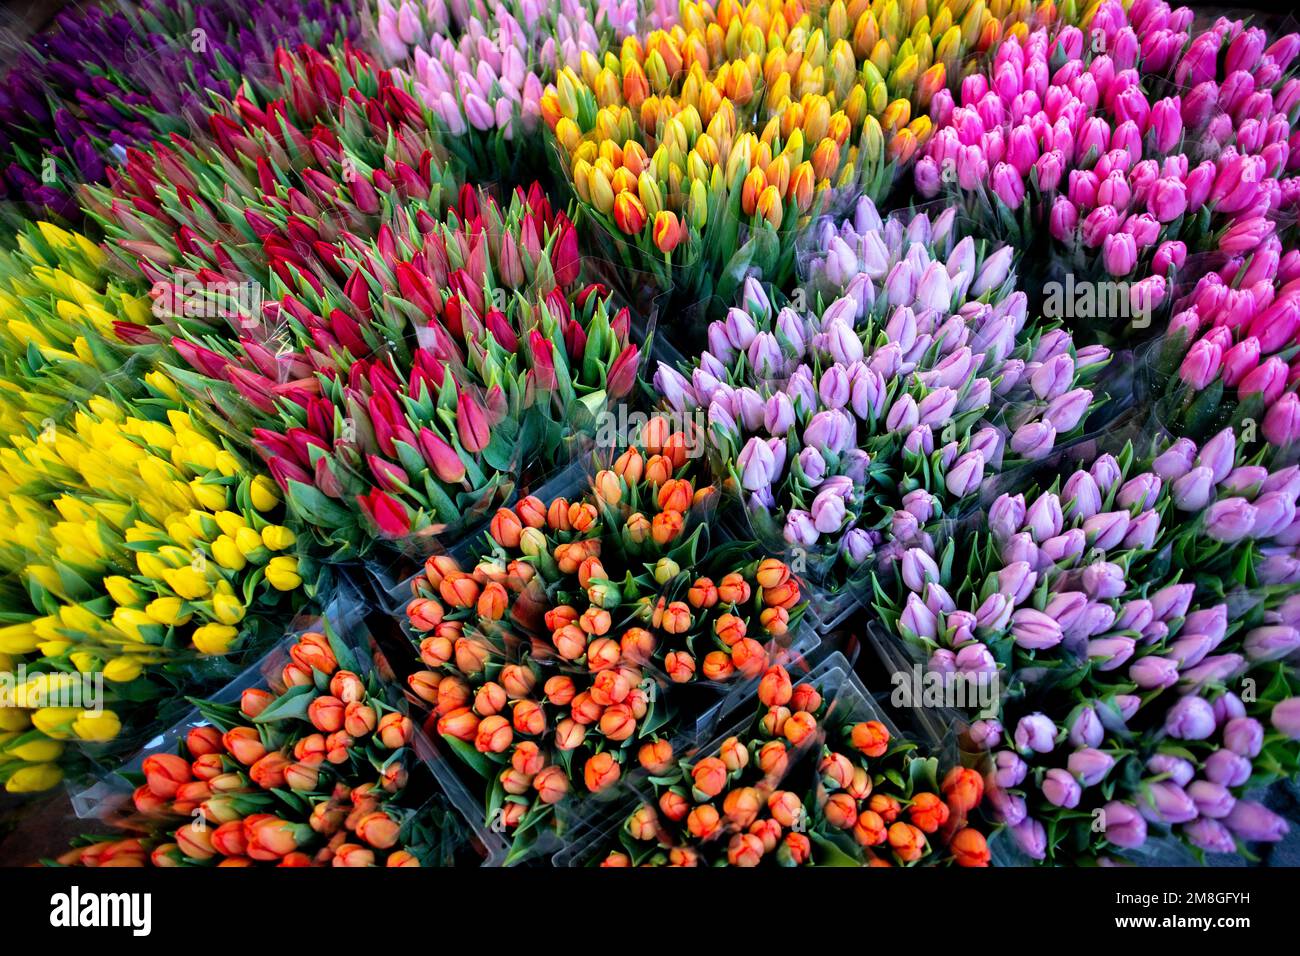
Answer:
(1069, 609)
(313, 769)
(106, 78)
(703, 148)
(140, 545)
(802, 783)
(1062, 141)
(59, 311)
(481, 68)
(864, 419)
(1228, 351)
(411, 360)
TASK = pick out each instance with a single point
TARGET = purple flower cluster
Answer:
(852, 427)
(1105, 657)
(101, 80)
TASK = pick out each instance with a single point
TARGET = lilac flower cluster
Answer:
(853, 425)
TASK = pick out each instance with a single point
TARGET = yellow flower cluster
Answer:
(57, 313)
(747, 113)
(132, 538)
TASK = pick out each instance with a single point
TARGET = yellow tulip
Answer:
(37, 751)
(227, 608)
(122, 670)
(55, 722)
(282, 573)
(91, 726)
(263, 493)
(214, 638)
(18, 638)
(168, 610)
(13, 718)
(34, 778)
(277, 537)
(187, 582)
(123, 591)
(227, 554)
(209, 494)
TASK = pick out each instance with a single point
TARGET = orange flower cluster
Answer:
(866, 788)
(734, 805)
(310, 772)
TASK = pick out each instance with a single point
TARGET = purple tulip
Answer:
(1219, 454)
(1271, 642)
(1010, 769)
(1061, 789)
(1110, 653)
(799, 528)
(1034, 630)
(1210, 836)
(985, 734)
(918, 568)
(1123, 825)
(1285, 717)
(1166, 802)
(1249, 820)
(1193, 490)
(1035, 733)
(1244, 736)
(756, 465)
(1031, 838)
(1007, 807)
(1151, 672)
(1176, 461)
(1212, 800)
(1090, 765)
(1180, 771)
(1227, 768)
(1103, 579)
(994, 614)
(1006, 516)
(1191, 718)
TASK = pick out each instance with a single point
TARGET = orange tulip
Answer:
(907, 842)
(969, 848)
(601, 772)
(870, 738)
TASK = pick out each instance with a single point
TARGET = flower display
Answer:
(314, 769)
(508, 422)
(852, 432)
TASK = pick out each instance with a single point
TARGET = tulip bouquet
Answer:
(481, 68)
(889, 801)
(702, 149)
(58, 314)
(727, 807)
(1084, 151)
(1227, 350)
(313, 769)
(104, 79)
(519, 357)
(1071, 603)
(882, 414)
(627, 559)
(537, 737)
(139, 545)
(743, 801)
